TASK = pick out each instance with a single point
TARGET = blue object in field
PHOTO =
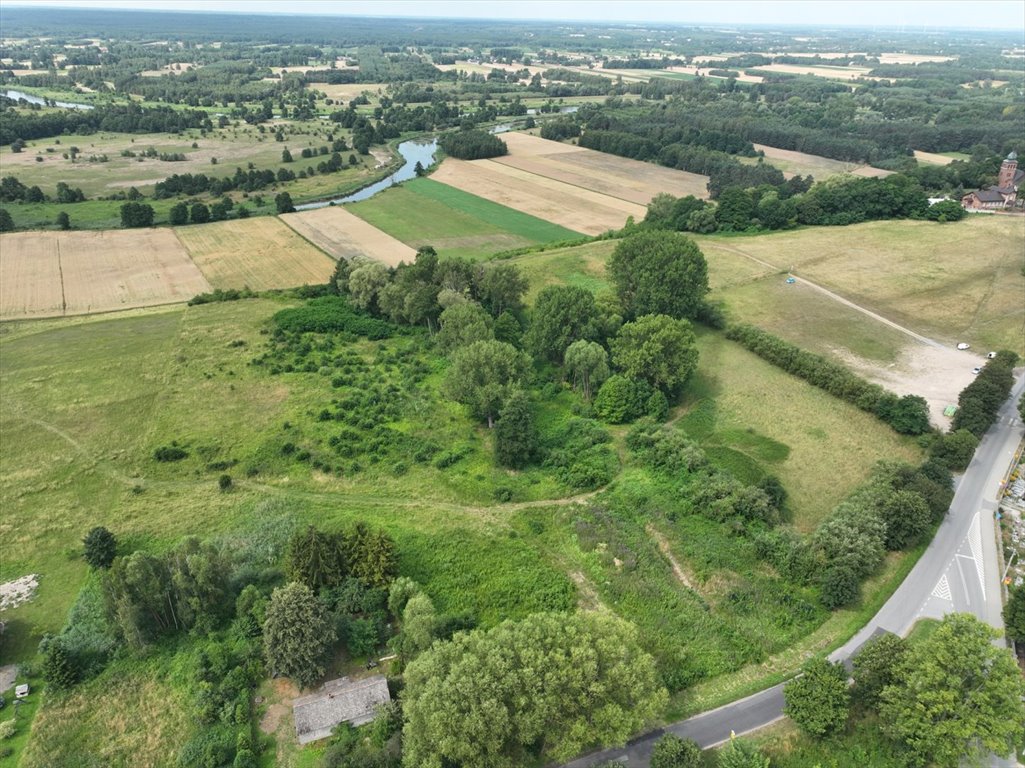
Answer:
(791, 280)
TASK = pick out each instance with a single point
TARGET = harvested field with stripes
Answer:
(49, 274)
(344, 236)
(572, 207)
(258, 253)
(620, 177)
(801, 164)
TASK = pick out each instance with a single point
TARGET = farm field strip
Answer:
(932, 158)
(831, 73)
(85, 272)
(456, 223)
(957, 281)
(630, 180)
(571, 207)
(802, 164)
(258, 253)
(343, 235)
(30, 279)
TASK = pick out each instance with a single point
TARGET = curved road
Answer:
(957, 573)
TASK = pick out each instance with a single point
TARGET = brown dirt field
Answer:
(572, 207)
(912, 58)
(259, 253)
(345, 236)
(86, 272)
(870, 172)
(932, 158)
(630, 180)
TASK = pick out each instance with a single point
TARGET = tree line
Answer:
(115, 118)
(908, 415)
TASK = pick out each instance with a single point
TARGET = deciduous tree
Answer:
(1014, 615)
(562, 315)
(657, 349)
(659, 272)
(957, 695)
(818, 700)
(673, 752)
(876, 667)
(483, 375)
(516, 437)
(553, 682)
(587, 364)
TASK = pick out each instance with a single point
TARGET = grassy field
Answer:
(256, 253)
(425, 212)
(217, 153)
(736, 410)
(88, 400)
(957, 282)
(231, 147)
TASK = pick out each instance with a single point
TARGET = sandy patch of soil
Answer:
(936, 373)
(14, 593)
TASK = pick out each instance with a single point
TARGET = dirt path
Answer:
(663, 546)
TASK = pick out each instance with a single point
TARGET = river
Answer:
(412, 152)
(37, 100)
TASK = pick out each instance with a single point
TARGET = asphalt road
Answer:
(957, 573)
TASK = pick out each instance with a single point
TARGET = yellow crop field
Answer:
(47, 274)
(258, 253)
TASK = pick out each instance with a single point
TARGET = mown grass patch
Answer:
(960, 281)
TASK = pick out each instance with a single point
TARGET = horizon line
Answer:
(600, 23)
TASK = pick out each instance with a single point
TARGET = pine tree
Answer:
(297, 634)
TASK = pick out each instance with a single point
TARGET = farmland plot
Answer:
(46, 274)
(258, 253)
(572, 207)
(619, 177)
(345, 236)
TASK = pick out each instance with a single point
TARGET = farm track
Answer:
(838, 298)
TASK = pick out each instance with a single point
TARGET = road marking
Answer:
(942, 590)
(975, 544)
(963, 582)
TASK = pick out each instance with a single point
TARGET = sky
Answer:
(911, 14)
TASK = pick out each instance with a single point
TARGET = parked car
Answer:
(976, 370)
(964, 345)
(791, 280)
(991, 355)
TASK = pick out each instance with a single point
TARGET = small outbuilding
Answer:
(338, 701)
(21, 691)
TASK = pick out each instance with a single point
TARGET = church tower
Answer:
(1007, 169)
